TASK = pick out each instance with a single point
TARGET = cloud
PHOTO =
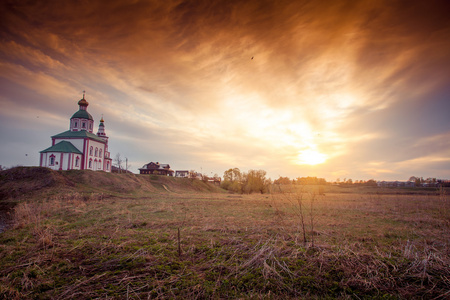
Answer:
(230, 83)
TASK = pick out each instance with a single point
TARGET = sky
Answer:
(333, 89)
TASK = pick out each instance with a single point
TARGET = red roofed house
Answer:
(156, 168)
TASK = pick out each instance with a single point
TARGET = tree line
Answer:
(301, 181)
(253, 181)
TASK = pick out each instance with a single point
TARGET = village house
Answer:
(182, 174)
(79, 148)
(157, 169)
(396, 184)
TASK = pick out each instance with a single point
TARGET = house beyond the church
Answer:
(78, 148)
(156, 168)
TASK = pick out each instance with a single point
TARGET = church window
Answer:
(90, 150)
(90, 163)
(84, 125)
(107, 165)
(96, 151)
(77, 162)
(76, 124)
(52, 160)
(90, 126)
(99, 164)
(100, 154)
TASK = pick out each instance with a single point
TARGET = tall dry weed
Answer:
(27, 213)
(301, 203)
(36, 214)
(33, 214)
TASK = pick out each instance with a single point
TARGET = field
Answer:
(164, 238)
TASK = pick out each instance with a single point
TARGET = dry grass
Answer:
(86, 246)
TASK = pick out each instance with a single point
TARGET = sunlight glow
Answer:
(311, 157)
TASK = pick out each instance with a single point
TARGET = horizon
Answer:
(331, 90)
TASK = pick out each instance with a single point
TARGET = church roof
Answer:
(82, 114)
(78, 134)
(63, 146)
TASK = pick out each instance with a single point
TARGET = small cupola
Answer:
(101, 128)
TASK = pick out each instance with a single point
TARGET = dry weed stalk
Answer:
(312, 197)
(27, 213)
(184, 209)
(296, 201)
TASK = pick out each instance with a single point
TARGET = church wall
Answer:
(97, 161)
(75, 124)
(61, 161)
(73, 164)
(80, 144)
(107, 164)
(53, 160)
(81, 124)
(64, 161)
(43, 160)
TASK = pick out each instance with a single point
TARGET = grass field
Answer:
(165, 243)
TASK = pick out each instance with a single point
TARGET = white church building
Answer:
(78, 148)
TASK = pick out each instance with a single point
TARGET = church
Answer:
(78, 148)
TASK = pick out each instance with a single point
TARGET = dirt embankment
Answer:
(20, 181)
(25, 182)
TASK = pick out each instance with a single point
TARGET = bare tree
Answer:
(118, 162)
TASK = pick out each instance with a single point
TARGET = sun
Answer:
(311, 157)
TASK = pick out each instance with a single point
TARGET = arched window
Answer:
(91, 150)
(90, 163)
(96, 151)
(52, 160)
(100, 154)
(83, 125)
(107, 165)
(100, 164)
(77, 161)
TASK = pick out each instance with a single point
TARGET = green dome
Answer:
(82, 114)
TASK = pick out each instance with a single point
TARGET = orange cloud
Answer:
(253, 82)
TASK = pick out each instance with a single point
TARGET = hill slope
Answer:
(26, 181)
